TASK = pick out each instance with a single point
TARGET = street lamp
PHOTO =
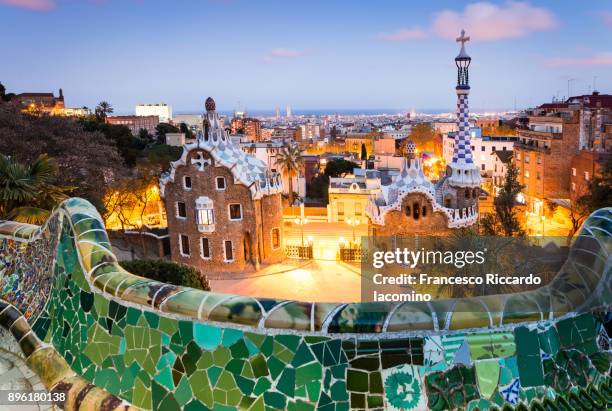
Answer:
(301, 221)
(543, 219)
(353, 222)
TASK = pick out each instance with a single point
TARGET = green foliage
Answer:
(162, 129)
(160, 155)
(29, 192)
(505, 221)
(168, 272)
(600, 190)
(290, 160)
(103, 109)
(86, 160)
(186, 130)
(319, 186)
(423, 137)
(129, 146)
(364, 152)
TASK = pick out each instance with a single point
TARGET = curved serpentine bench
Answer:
(160, 346)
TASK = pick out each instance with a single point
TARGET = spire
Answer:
(211, 113)
(463, 171)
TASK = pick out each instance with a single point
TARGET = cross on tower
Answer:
(463, 39)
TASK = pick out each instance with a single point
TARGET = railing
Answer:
(300, 252)
(352, 253)
(539, 135)
(165, 347)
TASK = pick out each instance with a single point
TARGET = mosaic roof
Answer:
(246, 169)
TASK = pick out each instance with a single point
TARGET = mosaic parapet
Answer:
(71, 391)
(164, 347)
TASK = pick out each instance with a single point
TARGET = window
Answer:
(518, 156)
(573, 171)
(493, 149)
(415, 211)
(228, 250)
(526, 159)
(539, 160)
(424, 211)
(220, 183)
(235, 212)
(573, 186)
(586, 175)
(482, 167)
(526, 173)
(340, 211)
(181, 210)
(275, 238)
(205, 215)
(205, 248)
(504, 148)
(184, 245)
(482, 148)
(187, 183)
(538, 176)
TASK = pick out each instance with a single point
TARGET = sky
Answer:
(307, 54)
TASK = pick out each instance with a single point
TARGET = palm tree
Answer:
(289, 159)
(27, 192)
(103, 109)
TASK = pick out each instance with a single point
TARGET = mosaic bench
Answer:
(114, 340)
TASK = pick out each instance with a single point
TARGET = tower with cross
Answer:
(462, 172)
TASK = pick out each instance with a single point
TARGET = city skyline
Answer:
(316, 56)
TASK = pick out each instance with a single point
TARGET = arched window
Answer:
(475, 193)
(415, 211)
(448, 202)
(424, 211)
(467, 193)
(408, 211)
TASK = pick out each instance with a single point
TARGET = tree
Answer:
(319, 186)
(504, 220)
(87, 161)
(4, 96)
(186, 130)
(162, 129)
(129, 146)
(29, 192)
(423, 137)
(103, 109)
(168, 272)
(289, 159)
(364, 152)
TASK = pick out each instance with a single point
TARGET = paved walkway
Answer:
(316, 280)
(16, 376)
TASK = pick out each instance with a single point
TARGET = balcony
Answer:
(538, 135)
(114, 340)
(532, 147)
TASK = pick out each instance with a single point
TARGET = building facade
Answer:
(349, 195)
(161, 110)
(135, 123)
(223, 206)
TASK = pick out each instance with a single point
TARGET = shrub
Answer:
(167, 272)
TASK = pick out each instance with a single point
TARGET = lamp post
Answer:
(543, 218)
(353, 222)
(301, 221)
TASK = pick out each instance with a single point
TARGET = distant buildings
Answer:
(223, 206)
(482, 146)
(289, 115)
(309, 132)
(41, 102)
(161, 110)
(135, 123)
(250, 127)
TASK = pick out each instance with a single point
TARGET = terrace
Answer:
(112, 340)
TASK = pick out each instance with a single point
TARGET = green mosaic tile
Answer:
(308, 373)
(528, 357)
(286, 382)
(302, 356)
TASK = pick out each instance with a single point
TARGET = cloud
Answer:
(404, 34)
(282, 53)
(485, 21)
(598, 59)
(606, 18)
(36, 5)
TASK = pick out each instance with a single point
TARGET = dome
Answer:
(210, 104)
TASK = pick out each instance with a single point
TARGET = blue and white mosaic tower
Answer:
(463, 172)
